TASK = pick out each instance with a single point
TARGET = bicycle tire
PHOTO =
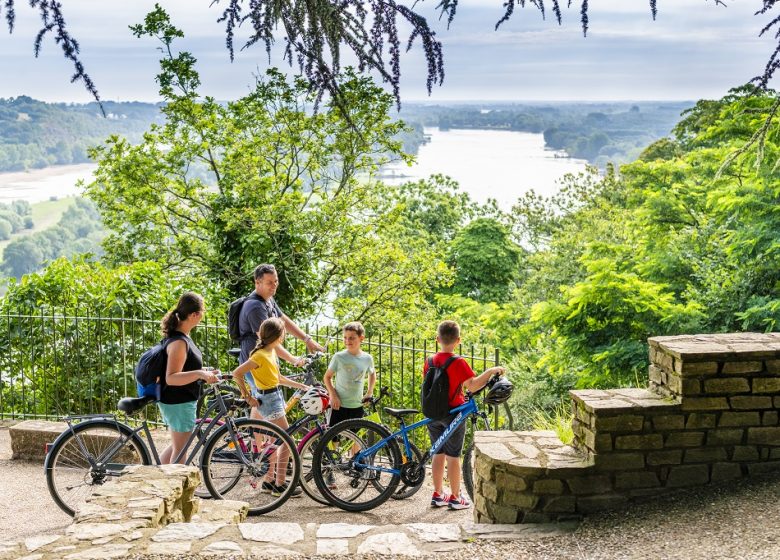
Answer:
(405, 491)
(243, 482)
(360, 480)
(306, 449)
(204, 401)
(467, 468)
(65, 461)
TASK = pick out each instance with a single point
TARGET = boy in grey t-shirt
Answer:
(349, 367)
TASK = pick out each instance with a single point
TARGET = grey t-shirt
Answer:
(254, 311)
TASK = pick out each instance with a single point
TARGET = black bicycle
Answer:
(241, 459)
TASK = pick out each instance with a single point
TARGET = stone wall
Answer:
(710, 414)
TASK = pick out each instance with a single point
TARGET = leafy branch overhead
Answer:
(316, 32)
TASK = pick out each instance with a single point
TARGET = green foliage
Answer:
(558, 420)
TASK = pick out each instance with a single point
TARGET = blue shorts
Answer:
(271, 405)
(179, 417)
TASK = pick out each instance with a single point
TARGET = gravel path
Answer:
(739, 520)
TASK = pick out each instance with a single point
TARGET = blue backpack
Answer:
(150, 371)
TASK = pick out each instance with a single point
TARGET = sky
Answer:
(695, 49)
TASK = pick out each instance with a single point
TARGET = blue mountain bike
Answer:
(358, 464)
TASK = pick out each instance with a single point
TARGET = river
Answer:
(499, 164)
(38, 185)
(486, 163)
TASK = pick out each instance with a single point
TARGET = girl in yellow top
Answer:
(264, 367)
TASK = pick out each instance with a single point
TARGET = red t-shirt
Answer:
(458, 372)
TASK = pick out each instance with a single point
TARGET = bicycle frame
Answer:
(462, 412)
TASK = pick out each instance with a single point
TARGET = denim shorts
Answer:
(179, 417)
(271, 405)
(453, 447)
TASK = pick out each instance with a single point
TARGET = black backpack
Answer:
(234, 314)
(150, 370)
(435, 393)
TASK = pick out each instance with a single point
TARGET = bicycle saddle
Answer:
(130, 405)
(235, 352)
(401, 412)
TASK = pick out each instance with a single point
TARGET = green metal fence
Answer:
(59, 362)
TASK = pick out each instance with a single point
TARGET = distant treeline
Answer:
(79, 231)
(34, 134)
(598, 132)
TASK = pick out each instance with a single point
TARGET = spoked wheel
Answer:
(468, 470)
(256, 463)
(408, 490)
(308, 484)
(70, 474)
(350, 484)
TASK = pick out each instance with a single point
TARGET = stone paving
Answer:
(264, 539)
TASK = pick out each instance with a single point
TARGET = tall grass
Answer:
(558, 420)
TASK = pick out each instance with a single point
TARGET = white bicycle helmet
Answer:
(315, 400)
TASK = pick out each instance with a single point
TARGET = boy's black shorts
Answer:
(344, 413)
(453, 447)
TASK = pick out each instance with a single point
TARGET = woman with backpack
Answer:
(184, 370)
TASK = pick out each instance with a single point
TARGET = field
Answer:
(45, 214)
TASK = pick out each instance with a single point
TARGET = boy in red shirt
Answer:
(461, 377)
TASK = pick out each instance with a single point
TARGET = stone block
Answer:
(518, 500)
(763, 468)
(705, 455)
(662, 360)
(666, 457)
(560, 504)
(502, 514)
(507, 480)
(750, 403)
(772, 366)
(684, 439)
(594, 484)
(490, 490)
(688, 475)
(766, 385)
(620, 461)
(656, 375)
(698, 420)
(29, 438)
(638, 479)
(731, 436)
(731, 368)
(548, 486)
(727, 385)
(774, 453)
(764, 452)
(639, 442)
(704, 403)
(621, 423)
(725, 471)
(696, 368)
(764, 436)
(597, 442)
(674, 382)
(769, 418)
(690, 387)
(589, 504)
(669, 422)
(730, 419)
(745, 453)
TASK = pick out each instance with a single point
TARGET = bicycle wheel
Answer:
(206, 399)
(82, 460)
(468, 470)
(306, 449)
(407, 491)
(257, 463)
(351, 485)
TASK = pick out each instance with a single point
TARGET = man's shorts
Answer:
(453, 447)
(271, 404)
(179, 417)
(344, 413)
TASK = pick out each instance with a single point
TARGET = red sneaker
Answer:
(439, 500)
(461, 502)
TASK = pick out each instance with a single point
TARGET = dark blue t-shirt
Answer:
(254, 311)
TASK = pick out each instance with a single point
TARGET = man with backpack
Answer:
(259, 306)
(445, 377)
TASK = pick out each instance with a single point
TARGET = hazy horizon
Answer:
(693, 50)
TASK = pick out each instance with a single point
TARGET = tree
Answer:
(219, 188)
(22, 256)
(314, 33)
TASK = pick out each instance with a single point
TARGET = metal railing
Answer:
(59, 362)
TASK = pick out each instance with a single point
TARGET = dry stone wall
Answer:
(710, 414)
